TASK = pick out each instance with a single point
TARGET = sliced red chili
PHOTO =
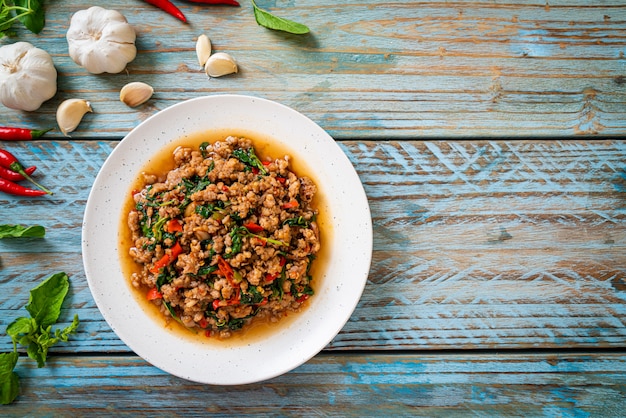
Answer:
(175, 251)
(227, 271)
(302, 298)
(174, 225)
(153, 294)
(293, 203)
(236, 299)
(253, 227)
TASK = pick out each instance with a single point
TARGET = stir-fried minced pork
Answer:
(224, 237)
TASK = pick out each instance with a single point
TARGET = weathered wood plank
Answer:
(481, 244)
(424, 69)
(337, 385)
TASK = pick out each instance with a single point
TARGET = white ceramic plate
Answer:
(337, 292)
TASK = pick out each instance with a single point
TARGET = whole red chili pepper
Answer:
(7, 174)
(9, 161)
(225, 2)
(169, 7)
(8, 133)
(18, 190)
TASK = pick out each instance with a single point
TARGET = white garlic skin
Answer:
(220, 64)
(27, 76)
(101, 40)
(136, 93)
(70, 113)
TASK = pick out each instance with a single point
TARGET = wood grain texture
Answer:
(546, 385)
(482, 244)
(412, 69)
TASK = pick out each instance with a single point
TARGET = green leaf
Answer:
(270, 21)
(46, 299)
(6, 19)
(35, 18)
(249, 157)
(9, 380)
(18, 231)
(35, 352)
(21, 326)
(63, 335)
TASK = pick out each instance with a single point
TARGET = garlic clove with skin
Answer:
(70, 113)
(203, 49)
(136, 93)
(220, 64)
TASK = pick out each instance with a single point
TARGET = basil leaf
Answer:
(6, 20)
(46, 299)
(18, 231)
(270, 21)
(249, 157)
(63, 335)
(21, 326)
(9, 380)
(35, 18)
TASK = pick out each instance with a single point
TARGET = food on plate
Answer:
(224, 238)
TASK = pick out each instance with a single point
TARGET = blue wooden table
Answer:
(490, 138)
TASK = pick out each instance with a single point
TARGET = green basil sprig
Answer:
(35, 333)
(19, 231)
(30, 12)
(270, 21)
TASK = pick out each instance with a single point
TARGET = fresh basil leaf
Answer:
(35, 18)
(46, 299)
(249, 158)
(270, 21)
(36, 352)
(18, 231)
(63, 335)
(9, 380)
(6, 20)
(20, 327)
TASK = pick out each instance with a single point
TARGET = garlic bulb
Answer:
(27, 76)
(101, 40)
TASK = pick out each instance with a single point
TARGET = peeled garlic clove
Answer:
(70, 113)
(136, 93)
(203, 49)
(220, 64)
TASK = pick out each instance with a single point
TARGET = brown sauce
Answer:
(161, 163)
